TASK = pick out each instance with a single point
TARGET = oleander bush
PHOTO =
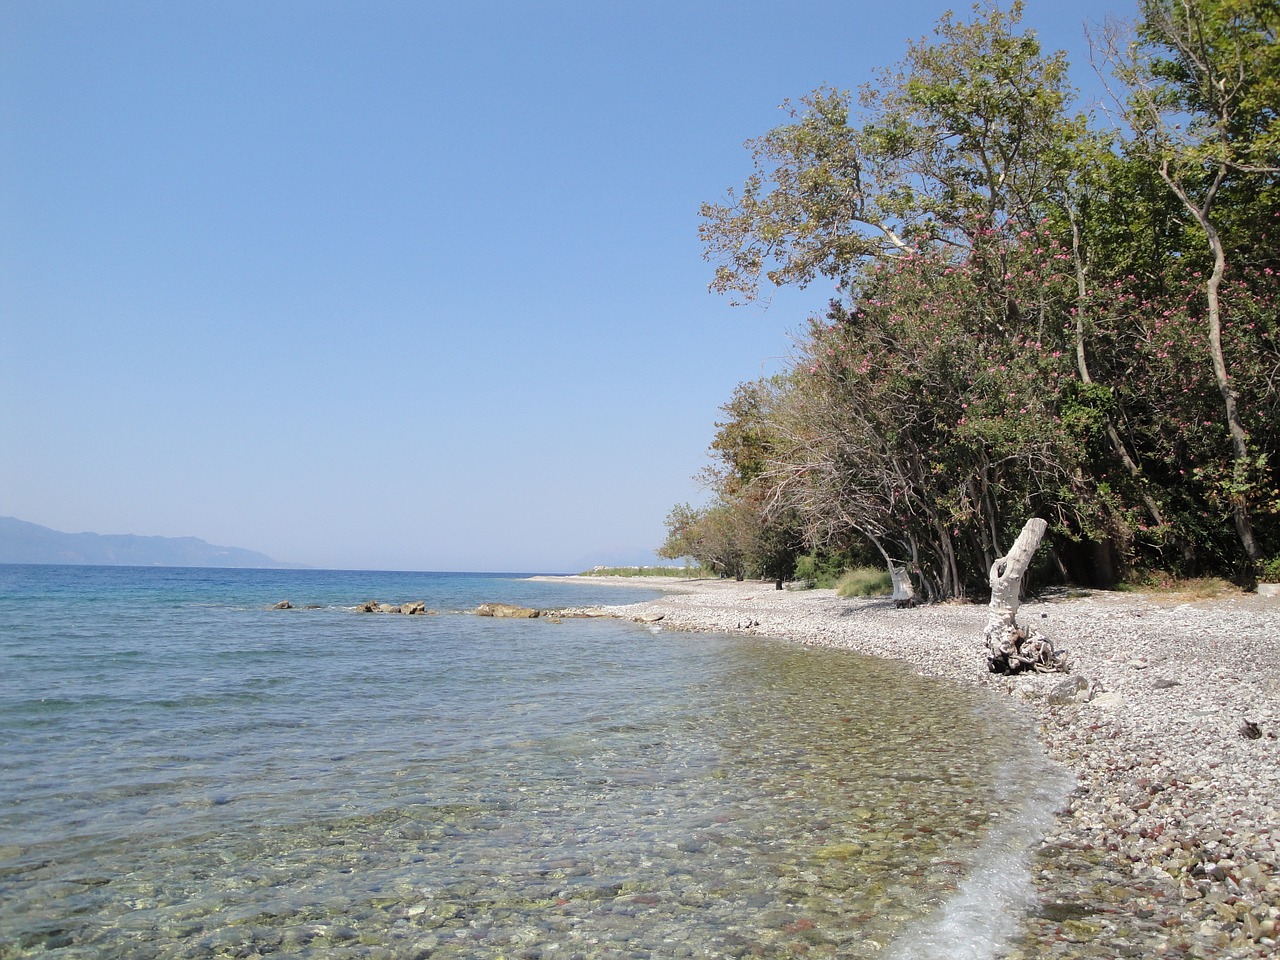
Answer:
(1031, 315)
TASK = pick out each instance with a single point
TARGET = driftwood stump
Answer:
(904, 591)
(1009, 647)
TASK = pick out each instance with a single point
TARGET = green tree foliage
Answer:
(1204, 110)
(734, 538)
(935, 415)
(967, 133)
(1172, 407)
(1024, 304)
(745, 531)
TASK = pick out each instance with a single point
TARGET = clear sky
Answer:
(362, 283)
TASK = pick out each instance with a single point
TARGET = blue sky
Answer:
(393, 285)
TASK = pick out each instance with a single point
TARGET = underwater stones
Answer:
(1164, 773)
(838, 851)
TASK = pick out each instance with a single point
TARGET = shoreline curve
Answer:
(1169, 846)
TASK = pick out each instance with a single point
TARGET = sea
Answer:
(186, 771)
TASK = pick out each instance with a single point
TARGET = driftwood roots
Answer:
(1012, 649)
(1017, 650)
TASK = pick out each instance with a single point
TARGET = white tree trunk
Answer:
(904, 591)
(1011, 649)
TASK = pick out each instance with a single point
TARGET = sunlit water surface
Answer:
(186, 772)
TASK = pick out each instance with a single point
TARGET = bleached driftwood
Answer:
(1010, 648)
(904, 591)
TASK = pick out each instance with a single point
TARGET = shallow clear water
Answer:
(187, 773)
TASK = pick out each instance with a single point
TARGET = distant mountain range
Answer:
(22, 542)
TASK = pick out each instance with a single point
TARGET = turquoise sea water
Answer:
(186, 772)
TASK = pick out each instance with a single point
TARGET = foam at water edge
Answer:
(990, 903)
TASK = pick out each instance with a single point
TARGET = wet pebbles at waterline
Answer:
(1169, 844)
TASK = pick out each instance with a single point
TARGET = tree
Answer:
(809, 209)
(1013, 332)
(709, 535)
(969, 134)
(932, 438)
(738, 537)
(961, 154)
(1160, 360)
(746, 530)
(1203, 107)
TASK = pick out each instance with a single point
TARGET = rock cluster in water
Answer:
(412, 608)
(506, 610)
(419, 608)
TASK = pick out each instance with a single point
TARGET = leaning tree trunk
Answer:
(1235, 426)
(904, 591)
(1011, 649)
(1213, 302)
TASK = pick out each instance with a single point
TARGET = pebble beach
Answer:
(1167, 716)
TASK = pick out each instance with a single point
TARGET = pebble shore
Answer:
(1168, 717)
